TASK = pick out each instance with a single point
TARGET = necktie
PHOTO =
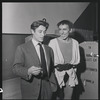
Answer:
(43, 61)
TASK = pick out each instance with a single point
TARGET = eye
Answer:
(40, 31)
(59, 28)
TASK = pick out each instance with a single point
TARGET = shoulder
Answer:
(24, 45)
(53, 40)
(47, 47)
(75, 41)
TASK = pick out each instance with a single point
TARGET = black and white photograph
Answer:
(50, 50)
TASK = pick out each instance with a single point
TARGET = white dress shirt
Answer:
(37, 47)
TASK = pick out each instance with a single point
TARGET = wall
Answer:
(17, 17)
(9, 45)
(88, 20)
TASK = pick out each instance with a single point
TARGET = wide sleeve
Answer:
(75, 53)
(19, 68)
(53, 44)
(77, 56)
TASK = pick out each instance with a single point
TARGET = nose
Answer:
(61, 32)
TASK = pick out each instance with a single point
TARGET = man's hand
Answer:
(34, 70)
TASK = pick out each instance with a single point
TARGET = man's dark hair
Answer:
(36, 24)
(67, 22)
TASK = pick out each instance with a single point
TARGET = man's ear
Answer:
(71, 30)
(32, 31)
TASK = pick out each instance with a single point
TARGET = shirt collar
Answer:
(35, 42)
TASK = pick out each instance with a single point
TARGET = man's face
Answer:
(64, 31)
(39, 33)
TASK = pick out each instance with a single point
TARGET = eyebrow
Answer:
(63, 28)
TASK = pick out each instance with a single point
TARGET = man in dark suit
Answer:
(34, 63)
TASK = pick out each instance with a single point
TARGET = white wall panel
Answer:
(17, 17)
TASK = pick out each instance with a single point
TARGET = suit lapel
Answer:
(34, 54)
(48, 57)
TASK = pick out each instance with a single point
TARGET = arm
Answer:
(19, 67)
(52, 78)
(19, 64)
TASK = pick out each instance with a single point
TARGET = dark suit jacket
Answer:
(25, 57)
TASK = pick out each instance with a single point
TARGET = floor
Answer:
(11, 89)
